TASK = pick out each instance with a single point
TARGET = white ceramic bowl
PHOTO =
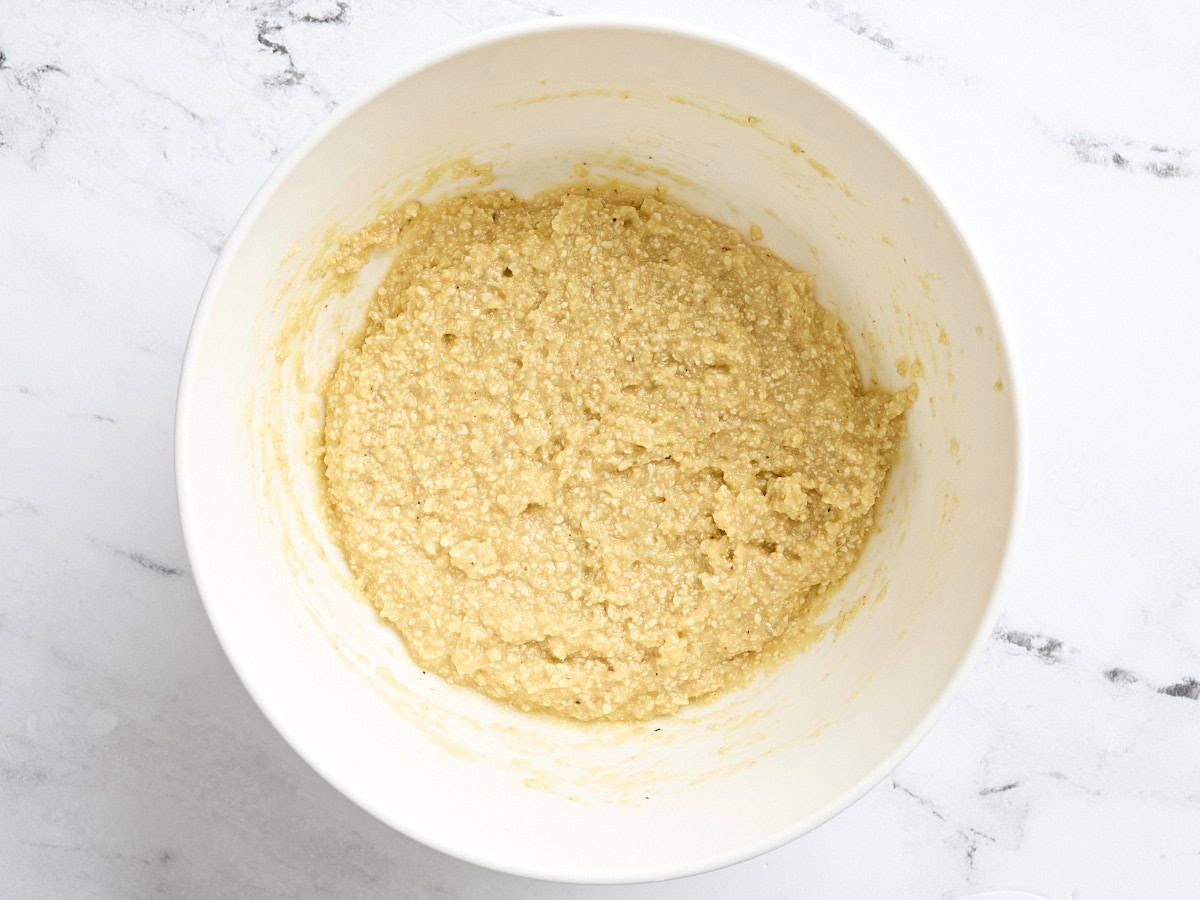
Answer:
(738, 137)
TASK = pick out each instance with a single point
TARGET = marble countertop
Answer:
(1065, 138)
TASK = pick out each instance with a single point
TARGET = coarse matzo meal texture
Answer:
(596, 454)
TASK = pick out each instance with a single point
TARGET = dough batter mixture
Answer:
(596, 454)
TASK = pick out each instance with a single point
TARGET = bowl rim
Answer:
(188, 508)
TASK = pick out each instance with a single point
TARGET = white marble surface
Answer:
(1068, 143)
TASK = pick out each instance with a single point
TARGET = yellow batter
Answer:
(595, 453)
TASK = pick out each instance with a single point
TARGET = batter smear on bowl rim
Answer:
(596, 455)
